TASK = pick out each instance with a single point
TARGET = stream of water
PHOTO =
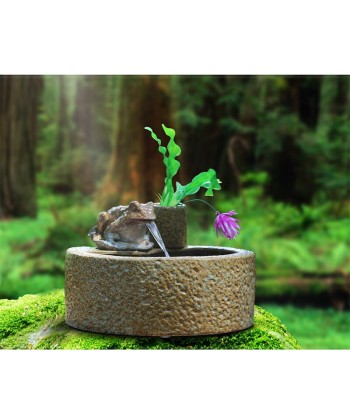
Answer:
(152, 227)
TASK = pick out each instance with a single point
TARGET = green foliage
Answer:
(207, 180)
(315, 328)
(290, 242)
(255, 178)
(171, 164)
(32, 261)
(296, 128)
(37, 322)
(29, 311)
(15, 246)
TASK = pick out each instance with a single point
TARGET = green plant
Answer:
(171, 197)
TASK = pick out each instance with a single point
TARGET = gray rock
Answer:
(201, 290)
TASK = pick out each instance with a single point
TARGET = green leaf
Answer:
(161, 149)
(207, 179)
(173, 149)
(171, 164)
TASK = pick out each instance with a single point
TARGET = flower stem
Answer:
(200, 200)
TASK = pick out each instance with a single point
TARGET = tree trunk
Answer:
(63, 147)
(19, 106)
(136, 171)
(206, 105)
(91, 140)
(289, 161)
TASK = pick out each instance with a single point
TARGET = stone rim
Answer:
(88, 251)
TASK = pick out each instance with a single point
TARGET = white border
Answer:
(182, 37)
(174, 382)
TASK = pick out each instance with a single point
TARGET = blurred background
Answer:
(71, 146)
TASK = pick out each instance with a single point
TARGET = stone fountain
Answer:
(134, 283)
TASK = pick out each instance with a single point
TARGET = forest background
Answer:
(71, 146)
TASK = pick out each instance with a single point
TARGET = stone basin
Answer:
(197, 291)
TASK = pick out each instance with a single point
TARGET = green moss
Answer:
(37, 322)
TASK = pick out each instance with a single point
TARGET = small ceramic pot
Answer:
(172, 225)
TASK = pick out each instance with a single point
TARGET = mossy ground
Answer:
(37, 322)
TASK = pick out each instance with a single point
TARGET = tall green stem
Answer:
(200, 200)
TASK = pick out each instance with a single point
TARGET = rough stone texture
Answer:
(177, 296)
(124, 227)
(172, 225)
(37, 322)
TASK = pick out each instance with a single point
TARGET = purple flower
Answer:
(225, 225)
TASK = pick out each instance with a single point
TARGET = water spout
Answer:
(152, 227)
